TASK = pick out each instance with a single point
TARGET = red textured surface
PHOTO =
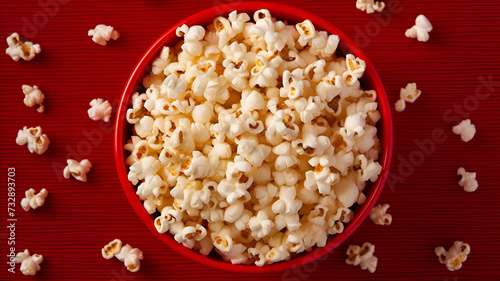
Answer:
(429, 209)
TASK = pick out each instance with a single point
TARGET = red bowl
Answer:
(370, 80)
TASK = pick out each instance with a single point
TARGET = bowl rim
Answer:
(281, 11)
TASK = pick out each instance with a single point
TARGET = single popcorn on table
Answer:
(32, 200)
(455, 256)
(468, 180)
(30, 264)
(409, 94)
(76, 169)
(252, 138)
(362, 256)
(102, 33)
(111, 249)
(34, 139)
(420, 30)
(370, 6)
(18, 49)
(380, 216)
(131, 257)
(465, 129)
(100, 110)
(32, 96)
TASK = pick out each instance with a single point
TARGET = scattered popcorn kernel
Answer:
(18, 49)
(468, 180)
(102, 33)
(32, 96)
(100, 110)
(76, 169)
(465, 129)
(370, 6)
(253, 139)
(379, 216)
(455, 256)
(362, 256)
(111, 249)
(131, 257)
(30, 264)
(32, 200)
(408, 94)
(420, 30)
(34, 139)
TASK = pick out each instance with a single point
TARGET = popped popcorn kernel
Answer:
(34, 139)
(131, 257)
(32, 200)
(455, 256)
(465, 129)
(420, 30)
(111, 249)
(408, 94)
(21, 50)
(76, 169)
(362, 256)
(379, 215)
(370, 6)
(253, 139)
(30, 264)
(100, 110)
(32, 96)
(468, 180)
(102, 33)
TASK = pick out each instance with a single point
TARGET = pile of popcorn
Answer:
(253, 138)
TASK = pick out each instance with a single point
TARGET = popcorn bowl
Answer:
(292, 15)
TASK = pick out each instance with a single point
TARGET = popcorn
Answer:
(455, 256)
(32, 200)
(362, 256)
(76, 169)
(111, 249)
(408, 94)
(131, 257)
(379, 216)
(30, 264)
(253, 138)
(468, 180)
(370, 6)
(102, 33)
(420, 30)
(100, 110)
(34, 139)
(21, 50)
(465, 129)
(307, 32)
(32, 96)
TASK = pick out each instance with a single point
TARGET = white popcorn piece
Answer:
(370, 6)
(355, 66)
(260, 225)
(102, 33)
(238, 21)
(455, 256)
(250, 148)
(321, 179)
(408, 94)
(285, 124)
(379, 215)
(34, 139)
(76, 169)
(465, 129)
(287, 203)
(111, 249)
(161, 61)
(362, 256)
(148, 165)
(190, 234)
(32, 96)
(420, 30)
(30, 264)
(368, 169)
(346, 191)
(263, 73)
(131, 257)
(307, 32)
(21, 50)
(100, 110)
(32, 200)
(468, 180)
(192, 38)
(168, 217)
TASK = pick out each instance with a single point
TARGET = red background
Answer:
(429, 209)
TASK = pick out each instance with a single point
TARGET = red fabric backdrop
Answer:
(429, 209)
